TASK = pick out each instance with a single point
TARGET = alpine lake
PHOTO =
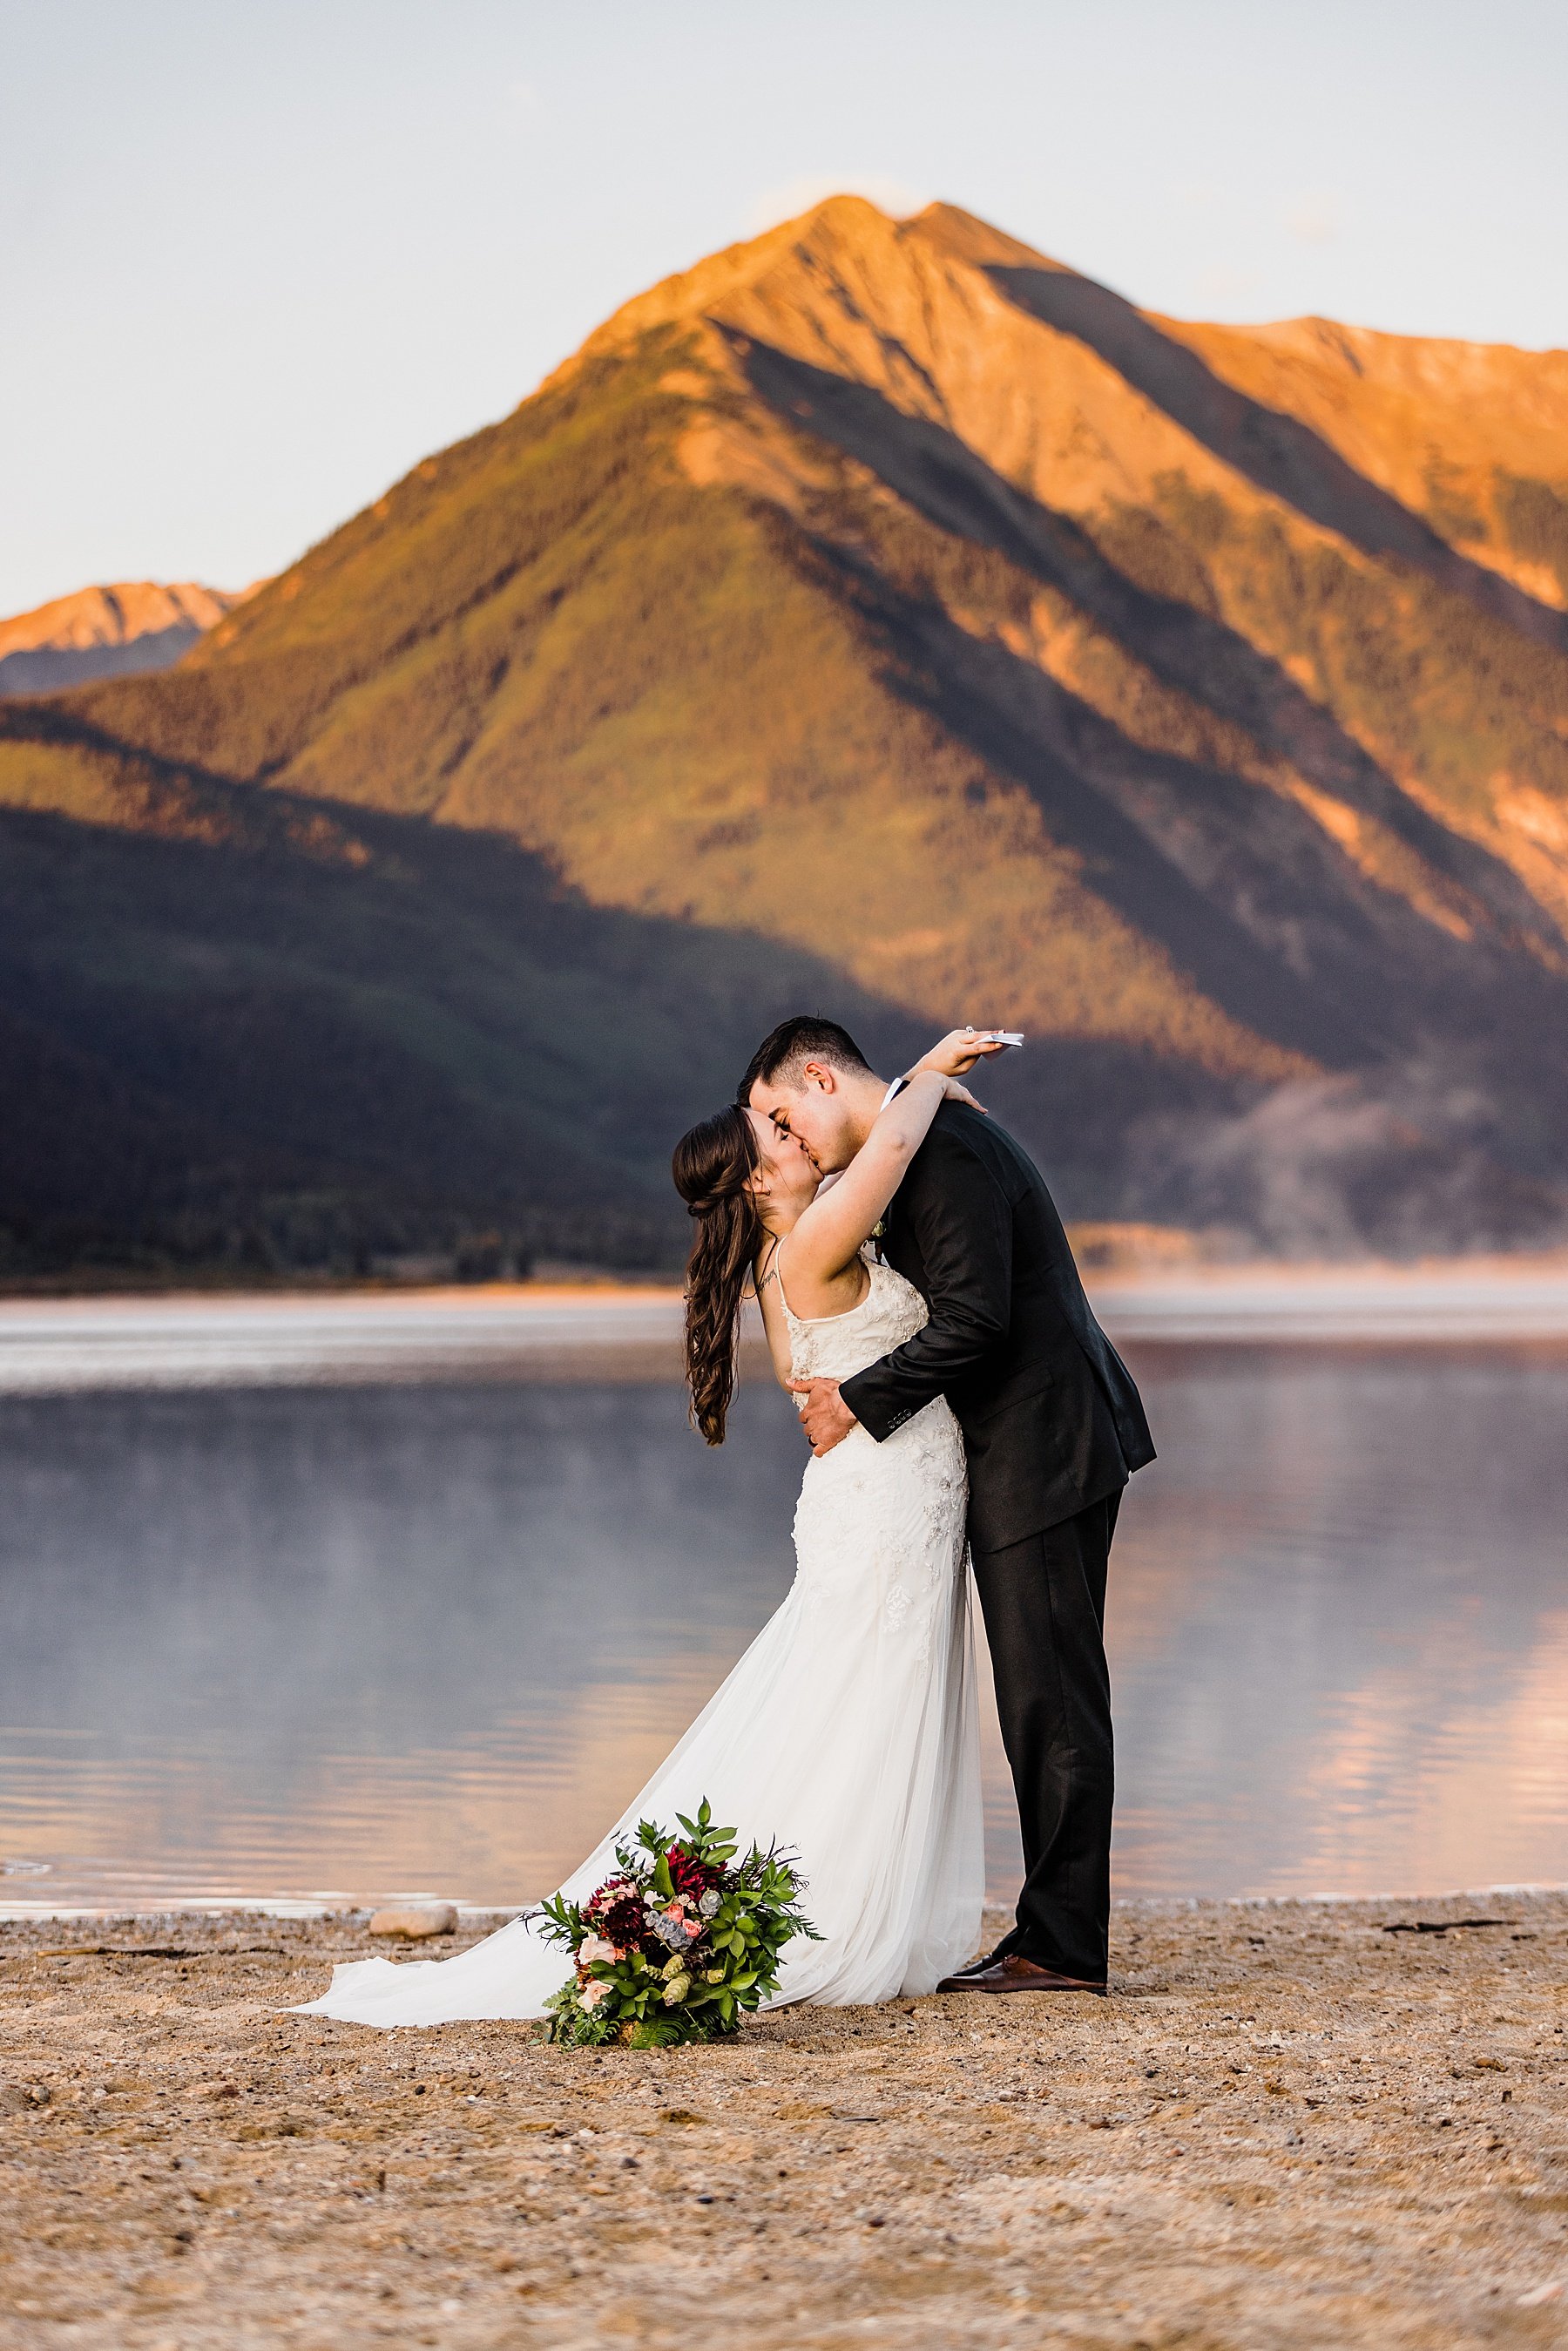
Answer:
(425, 1626)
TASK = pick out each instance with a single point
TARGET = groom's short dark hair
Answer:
(786, 1049)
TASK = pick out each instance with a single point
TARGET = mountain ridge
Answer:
(891, 593)
(119, 629)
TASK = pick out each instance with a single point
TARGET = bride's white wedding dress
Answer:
(847, 1733)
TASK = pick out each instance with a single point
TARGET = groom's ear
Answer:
(819, 1073)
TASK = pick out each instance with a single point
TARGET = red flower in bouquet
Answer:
(689, 1875)
(616, 1913)
(622, 1922)
(678, 1945)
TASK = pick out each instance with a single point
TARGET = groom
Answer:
(1052, 1428)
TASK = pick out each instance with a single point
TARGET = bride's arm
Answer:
(955, 1055)
(840, 1221)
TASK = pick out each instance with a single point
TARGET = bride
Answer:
(847, 1734)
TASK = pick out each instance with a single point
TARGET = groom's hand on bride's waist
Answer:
(824, 1416)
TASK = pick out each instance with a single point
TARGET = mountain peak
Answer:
(966, 237)
(114, 630)
(837, 241)
(114, 614)
(698, 292)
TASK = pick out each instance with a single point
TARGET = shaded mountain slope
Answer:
(887, 593)
(248, 1033)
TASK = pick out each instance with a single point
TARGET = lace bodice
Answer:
(834, 1346)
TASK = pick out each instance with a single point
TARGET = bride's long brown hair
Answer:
(712, 1168)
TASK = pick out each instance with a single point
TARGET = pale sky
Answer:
(258, 256)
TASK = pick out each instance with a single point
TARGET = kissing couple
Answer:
(963, 1407)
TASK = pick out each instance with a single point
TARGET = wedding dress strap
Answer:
(776, 1267)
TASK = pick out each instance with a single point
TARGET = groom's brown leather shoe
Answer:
(1015, 1973)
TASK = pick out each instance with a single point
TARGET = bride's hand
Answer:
(959, 1051)
(953, 1091)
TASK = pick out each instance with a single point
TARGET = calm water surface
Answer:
(358, 1641)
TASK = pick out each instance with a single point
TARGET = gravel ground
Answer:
(1290, 2126)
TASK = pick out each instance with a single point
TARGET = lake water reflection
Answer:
(369, 1640)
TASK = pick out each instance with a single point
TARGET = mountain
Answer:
(240, 1033)
(118, 631)
(884, 609)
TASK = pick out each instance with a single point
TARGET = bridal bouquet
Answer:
(677, 1944)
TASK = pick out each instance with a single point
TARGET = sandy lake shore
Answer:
(1290, 2126)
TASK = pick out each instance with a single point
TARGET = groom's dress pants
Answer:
(1044, 1606)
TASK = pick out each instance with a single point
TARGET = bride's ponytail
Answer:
(712, 1168)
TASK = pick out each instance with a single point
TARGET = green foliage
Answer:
(685, 1967)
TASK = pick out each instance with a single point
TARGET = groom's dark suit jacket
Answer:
(1051, 1419)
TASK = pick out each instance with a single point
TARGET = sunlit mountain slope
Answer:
(884, 595)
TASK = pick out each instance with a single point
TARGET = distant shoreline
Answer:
(546, 1330)
(354, 1911)
(1106, 1269)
